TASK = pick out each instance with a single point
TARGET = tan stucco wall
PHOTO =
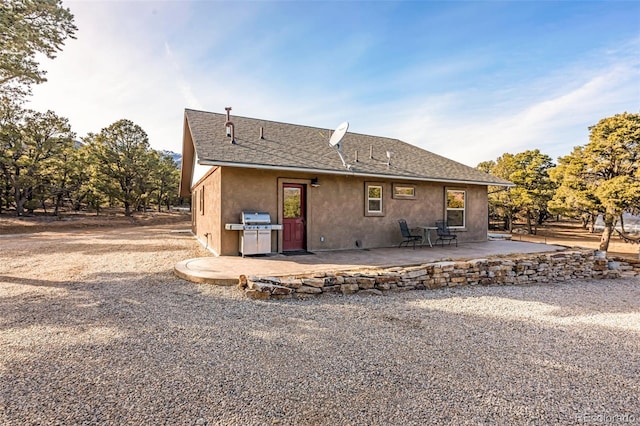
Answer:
(477, 214)
(246, 189)
(208, 225)
(338, 213)
(335, 210)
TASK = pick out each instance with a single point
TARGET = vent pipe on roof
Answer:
(231, 129)
(370, 152)
(261, 132)
(356, 155)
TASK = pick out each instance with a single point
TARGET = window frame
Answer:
(367, 199)
(201, 199)
(194, 205)
(463, 209)
(397, 186)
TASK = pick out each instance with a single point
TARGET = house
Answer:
(346, 196)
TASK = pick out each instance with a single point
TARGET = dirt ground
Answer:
(96, 329)
(571, 234)
(11, 224)
(563, 233)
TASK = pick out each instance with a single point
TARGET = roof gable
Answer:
(295, 147)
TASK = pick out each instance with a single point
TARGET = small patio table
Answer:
(426, 233)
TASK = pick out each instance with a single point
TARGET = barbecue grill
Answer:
(255, 235)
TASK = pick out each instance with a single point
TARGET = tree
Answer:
(85, 183)
(574, 197)
(41, 163)
(120, 152)
(534, 189)
(10, 117)
(165, 177)
(28, 28)
(30, 142)
(62, 175)
(604, 175)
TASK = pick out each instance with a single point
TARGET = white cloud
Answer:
(148, 61)
(115, 69)
(554, 121)
(183, 85)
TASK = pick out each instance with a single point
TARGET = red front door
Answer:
(293, 217)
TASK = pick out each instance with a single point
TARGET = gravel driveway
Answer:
(95, 329)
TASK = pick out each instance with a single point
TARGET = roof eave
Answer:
(188, 160)
(205, 162)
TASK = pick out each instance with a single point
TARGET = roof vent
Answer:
(261, 132)
(230, 128)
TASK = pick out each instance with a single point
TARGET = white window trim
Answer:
(463, 209)
(367, 199)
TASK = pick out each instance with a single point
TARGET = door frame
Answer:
(308, 213)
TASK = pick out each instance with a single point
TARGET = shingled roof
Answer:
(303, 148)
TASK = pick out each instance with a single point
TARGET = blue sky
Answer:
(467, 80)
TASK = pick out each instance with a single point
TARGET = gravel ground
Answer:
(95, 329)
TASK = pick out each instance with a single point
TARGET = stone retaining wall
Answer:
(515, 270)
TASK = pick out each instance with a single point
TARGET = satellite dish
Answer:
(338, 134)
(336, 137)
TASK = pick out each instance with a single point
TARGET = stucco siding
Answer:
(477, 214)
(206, 210)
(336, 209)
(246, 189)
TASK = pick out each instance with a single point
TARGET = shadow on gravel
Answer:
(29, 281)
(566, 299)
(133, 347)
(125, 350)
(97, 249)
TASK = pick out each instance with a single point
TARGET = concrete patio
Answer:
(225, 270)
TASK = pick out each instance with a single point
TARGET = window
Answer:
(194, 204)
(292, 202)
(401, 191)
(202, 200)
(456, 205)
(373, 199)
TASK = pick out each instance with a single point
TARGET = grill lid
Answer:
(256, 218)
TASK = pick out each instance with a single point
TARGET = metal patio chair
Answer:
(445, 233)
(407, 235)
